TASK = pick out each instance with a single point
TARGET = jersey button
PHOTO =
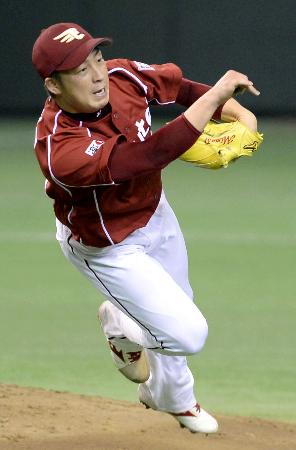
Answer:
(116, 115)
(127, 129)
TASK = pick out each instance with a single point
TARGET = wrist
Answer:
(212, 98)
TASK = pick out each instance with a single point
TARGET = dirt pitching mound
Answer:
(36, 419)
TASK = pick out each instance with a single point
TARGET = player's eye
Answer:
(99, 56)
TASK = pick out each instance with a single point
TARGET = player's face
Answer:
(84, 89)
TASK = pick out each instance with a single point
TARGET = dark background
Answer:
(205, 38)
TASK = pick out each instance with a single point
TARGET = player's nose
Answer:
(97, 74)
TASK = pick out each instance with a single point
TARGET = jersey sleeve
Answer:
(160, 82)
(155, 153)
(77, 160)
(190, 91)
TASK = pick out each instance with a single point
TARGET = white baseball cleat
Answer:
(196, 419)
(129, 357)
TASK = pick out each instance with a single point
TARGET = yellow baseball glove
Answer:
(222, 143)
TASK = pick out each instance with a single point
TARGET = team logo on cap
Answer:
(69, 35)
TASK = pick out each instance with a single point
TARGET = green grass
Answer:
(239, 225)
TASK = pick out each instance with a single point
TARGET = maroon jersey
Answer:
(74, 154)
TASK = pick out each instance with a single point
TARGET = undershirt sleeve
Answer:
(131, 159)
(190, 91)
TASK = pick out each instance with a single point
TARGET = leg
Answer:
(152, 311)
(170, 386)
(171, 325)
(157, 314)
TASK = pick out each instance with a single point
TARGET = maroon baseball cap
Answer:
(63, 46)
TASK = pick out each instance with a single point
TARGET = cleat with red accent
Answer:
(129, 357)
(196, 419)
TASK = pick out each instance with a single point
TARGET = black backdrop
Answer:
(204, 37)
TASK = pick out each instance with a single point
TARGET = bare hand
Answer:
(201, 111)
(231, 83)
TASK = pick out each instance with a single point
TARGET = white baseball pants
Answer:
(146, 278)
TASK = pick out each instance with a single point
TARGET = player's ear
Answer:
(52, 85)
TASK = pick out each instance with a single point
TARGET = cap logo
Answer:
(69, 35)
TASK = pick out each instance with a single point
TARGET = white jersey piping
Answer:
(69, 215)
(50, 169)
(56, 118)
(101, 218)
(121, 69)
(36, 128)
(162, 103)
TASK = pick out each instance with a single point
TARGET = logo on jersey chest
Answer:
(142, 66)
(94, 146)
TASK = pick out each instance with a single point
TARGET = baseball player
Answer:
(102, 166)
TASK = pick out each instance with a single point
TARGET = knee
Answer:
(193, 337)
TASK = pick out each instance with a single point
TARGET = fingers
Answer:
(245, 85)
(253, 90)
(231, 84)
(241, 90)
